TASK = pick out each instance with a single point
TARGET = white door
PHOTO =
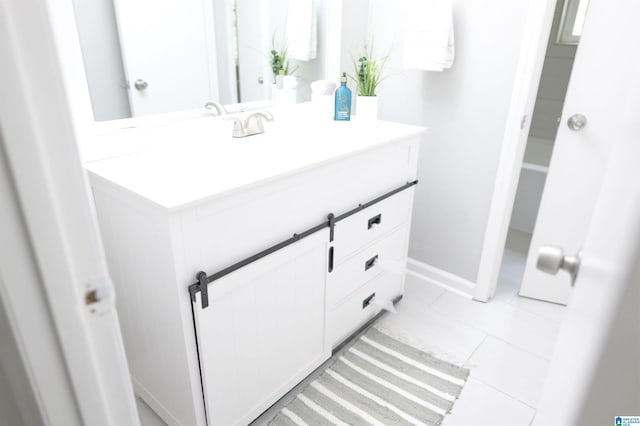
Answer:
(263, 331)
(168, 51)
(595, 372)
(62, 357)
(605, 64)
(254, 75)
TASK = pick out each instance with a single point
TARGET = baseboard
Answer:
(440, 278)
(142, 393)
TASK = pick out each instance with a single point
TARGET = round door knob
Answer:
(577, 122)
(260, 80)
(140, 84)
(552, 259)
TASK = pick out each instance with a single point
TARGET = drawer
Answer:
(360, 307)
(358, 230)
(371, 261)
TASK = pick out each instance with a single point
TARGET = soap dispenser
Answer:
(342, 101)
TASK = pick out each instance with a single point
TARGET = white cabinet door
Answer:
(264, 330)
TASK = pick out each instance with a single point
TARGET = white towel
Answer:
(428, 41)
(302, 37)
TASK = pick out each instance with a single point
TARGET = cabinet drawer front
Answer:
(362, 228)
(386, 256)
(362, 305)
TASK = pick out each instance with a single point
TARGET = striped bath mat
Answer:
(381, 381)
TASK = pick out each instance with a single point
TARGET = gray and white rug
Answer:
(378, 380)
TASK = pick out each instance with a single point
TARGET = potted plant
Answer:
(281, 67)
(279, 60)
(369, 72)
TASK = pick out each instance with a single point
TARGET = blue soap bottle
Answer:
(342, 110)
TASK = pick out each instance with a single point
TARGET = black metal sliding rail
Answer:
(203, 280)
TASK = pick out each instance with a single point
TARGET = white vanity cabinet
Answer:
(277, 303)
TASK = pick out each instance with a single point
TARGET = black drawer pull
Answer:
(331, 259)
(366, 302)
(369, 263)
(376, 220)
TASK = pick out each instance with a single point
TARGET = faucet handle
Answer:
(212, 105)
(239, 130)
(264, 114)
(254, 124)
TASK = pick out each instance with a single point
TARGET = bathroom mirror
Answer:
(133, 50)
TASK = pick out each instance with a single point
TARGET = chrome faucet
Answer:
(212, 105)
(252, 125)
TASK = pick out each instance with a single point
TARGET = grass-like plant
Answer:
(368, 70)
(279, 59)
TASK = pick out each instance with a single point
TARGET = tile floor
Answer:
(507, 343)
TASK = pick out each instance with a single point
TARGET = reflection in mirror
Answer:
(147, 57)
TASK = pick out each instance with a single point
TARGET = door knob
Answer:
(552, 259)
(577, 122)
(140, 84)
(260, 80)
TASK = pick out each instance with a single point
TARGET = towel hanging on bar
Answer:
(428, 40)
(302, 37)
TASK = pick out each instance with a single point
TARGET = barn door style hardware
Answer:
(203, 280)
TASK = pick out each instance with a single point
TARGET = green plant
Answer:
(279, 59)
(368, 70)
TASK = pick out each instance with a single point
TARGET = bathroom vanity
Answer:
(240, 264)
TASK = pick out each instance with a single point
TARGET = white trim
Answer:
(43, 92)
(529, 69)
(440, 278)
(333, 37)
(209, 24)
(148, 398)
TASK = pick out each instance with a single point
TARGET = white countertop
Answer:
(197, 159)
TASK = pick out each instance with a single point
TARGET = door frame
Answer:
(55, 287)
(528, 72)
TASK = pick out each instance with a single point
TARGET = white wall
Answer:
(465, 109)
(98, 33)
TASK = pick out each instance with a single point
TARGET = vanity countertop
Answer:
(197, 159)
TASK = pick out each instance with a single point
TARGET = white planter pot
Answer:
(367, 108)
